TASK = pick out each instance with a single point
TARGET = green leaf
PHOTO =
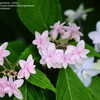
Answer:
(30, 50)
(31, 93)
(40, 79)
(69, 87)
(15, 48)
(40, 15)
(92, 51)
(94, 88)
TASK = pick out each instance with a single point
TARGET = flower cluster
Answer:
(10, 87)
(59, 48)
(9, 84)
(57, 51)
(56, 57)
(66, 32)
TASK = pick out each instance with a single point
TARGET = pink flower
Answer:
(76, 54)
(41, 39)
(53, 57)
(66, 60)
(59, 56)
(3, 52)
(44, 52)
(57, 28)
(66, 32)
(47, 53)
(27, 67)
(12, 88)
(3, 82)
(72, 32)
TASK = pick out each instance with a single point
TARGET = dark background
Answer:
(11, 27)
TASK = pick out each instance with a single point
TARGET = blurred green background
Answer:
(11, 27)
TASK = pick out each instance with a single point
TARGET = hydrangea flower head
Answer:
(3, 52)
(27, 67)
(57, 53)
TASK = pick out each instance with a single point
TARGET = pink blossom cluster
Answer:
(55, 50)
(10, 87)
(76, 54)
(59, 57)
(66, 32)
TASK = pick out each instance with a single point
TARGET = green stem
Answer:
(89, 10)
(9, 63)
(80, 24)
(4, 67)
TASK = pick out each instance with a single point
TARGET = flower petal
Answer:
(18, 94)
(22, 63)
(4, 46)
(19, 83)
